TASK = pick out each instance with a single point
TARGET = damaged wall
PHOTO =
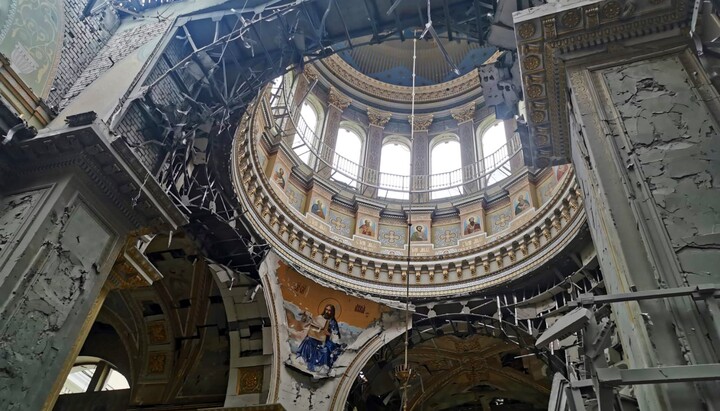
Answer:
(644, 146)
(55, 268)
(676, 143)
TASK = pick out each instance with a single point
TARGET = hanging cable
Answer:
(405, 373)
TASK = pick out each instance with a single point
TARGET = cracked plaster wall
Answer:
(675, 140)
(53, 276)
(634, 128)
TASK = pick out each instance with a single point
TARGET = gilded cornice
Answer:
(464, 113)
(378, 118)
(401, 94)
(338, 99)
(421, 122)
(547, 35)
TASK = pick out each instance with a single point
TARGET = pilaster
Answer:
(337, 102)
(466, 133)
(377, 120)
(420, 172)
(644, 146)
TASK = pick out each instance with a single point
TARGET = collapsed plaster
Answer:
(675, 141)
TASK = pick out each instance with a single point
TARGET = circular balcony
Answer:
(344, 234)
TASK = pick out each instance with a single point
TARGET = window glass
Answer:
(395, 170)
(494, 145)
(115, 381)
(79, 379)
(306, 133)
(347, 157)
(108, 378)
(446, 169)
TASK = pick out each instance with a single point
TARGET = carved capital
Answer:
(377, 117)
(310, 73)
(337, 99)
(421, 122)
(464, 113)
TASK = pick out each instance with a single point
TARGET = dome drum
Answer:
(344, 239)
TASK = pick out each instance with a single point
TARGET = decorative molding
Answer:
(338, 99)
(548, 34)
(401, 94)
(249, 380)
(378, 118)
(421, 122)
(464, 113)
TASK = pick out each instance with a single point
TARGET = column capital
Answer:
(310, 73)
(337, 99)
(421, 122)
(378, 118)
(464, 113)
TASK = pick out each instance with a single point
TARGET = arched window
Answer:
(93, 374)
(348, 152)
(306, 134)
(445, 167)
(395, 169)
(495, 152)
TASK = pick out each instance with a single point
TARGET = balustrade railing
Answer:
(279, 103)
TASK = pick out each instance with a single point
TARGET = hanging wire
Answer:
(406, 369)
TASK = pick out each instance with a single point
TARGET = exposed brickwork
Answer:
(122, 43)
(133, 128)
(82, 40)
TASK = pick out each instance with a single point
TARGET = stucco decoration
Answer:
(321, 322)
(377, 117)
(464, 113)
(31, 36)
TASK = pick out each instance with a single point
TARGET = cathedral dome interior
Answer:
(339, 205)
